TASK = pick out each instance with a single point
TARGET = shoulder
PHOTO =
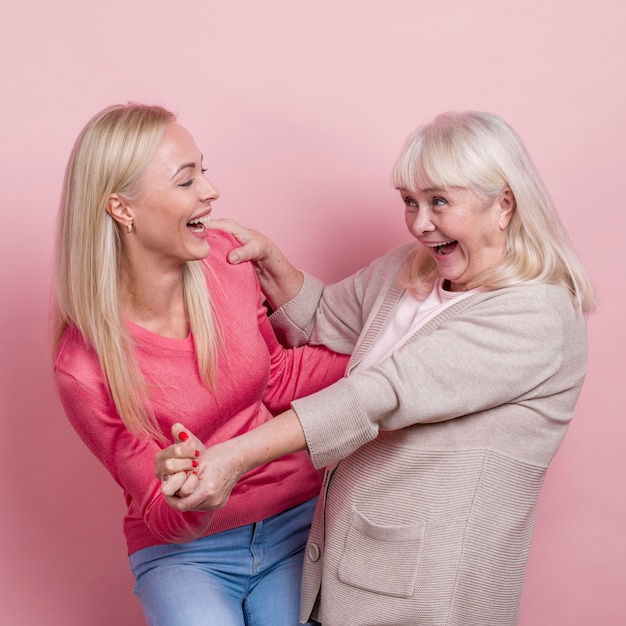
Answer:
(232, 281)
(541, 309)
(548, 297)
(221, 244)
(389, 264)
(73, 348)
(396, 257)
(222, 240)
(77, 360)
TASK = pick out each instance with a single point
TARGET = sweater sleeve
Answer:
(128, 458)
(297, 372)
(503, 349)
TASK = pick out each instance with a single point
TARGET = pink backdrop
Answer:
(300, 109)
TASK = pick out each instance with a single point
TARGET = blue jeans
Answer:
(247, 576)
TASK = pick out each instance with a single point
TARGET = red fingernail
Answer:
(197, 452)
(195, 473)
(194, 464)
(183, 436)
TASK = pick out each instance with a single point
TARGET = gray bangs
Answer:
(442, 156)
(421, 169)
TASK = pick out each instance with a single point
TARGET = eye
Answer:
(439, 202)
(203, 170)
(187, 183)
(409, 202)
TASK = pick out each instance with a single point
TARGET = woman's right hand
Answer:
(280, 281)
(255, 246)
(222, 465)
(206, 488)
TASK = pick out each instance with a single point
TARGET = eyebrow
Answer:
(182, 167)
(191, 164)
(428, 190)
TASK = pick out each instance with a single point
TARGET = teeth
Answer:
(437, 245)
(201, 220)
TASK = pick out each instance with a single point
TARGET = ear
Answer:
(507, 206)
(119, 210)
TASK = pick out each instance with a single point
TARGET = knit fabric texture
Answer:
(437, 454)
(256, 379)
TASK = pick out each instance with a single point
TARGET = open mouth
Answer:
(198, 225)
(441, 249)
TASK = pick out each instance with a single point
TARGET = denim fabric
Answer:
(247, 576)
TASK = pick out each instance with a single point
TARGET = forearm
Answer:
(278, 437)
(221, 466)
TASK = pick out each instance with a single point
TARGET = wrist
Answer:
(238, 456)
(280, 286)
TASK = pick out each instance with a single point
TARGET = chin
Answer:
(201, 252)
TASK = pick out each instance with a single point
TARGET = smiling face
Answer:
(173, 203)
(464, 233)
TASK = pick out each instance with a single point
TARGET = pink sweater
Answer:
(256, 378)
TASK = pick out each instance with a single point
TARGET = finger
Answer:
(172, 483)
(252, 246)
(190, 503)
(180, 504)
(174, 459)
(184, 435)
(230, 226)
(187, 504)
(176, 452)
(190, 483)
(169, 466)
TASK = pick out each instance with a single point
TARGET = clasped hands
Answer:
(194, 477)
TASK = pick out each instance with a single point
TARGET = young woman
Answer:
(153, 326)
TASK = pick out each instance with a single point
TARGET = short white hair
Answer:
(481, 152)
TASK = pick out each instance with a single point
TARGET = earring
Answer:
(129, 227)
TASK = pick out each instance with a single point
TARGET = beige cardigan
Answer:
(440, 451)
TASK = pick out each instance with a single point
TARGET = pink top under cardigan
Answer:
(256, 377)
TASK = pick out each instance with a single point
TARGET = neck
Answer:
(153, 298)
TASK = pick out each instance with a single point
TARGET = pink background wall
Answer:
(300, 109)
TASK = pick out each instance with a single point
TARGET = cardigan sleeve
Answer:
(335, 315)
(501, 348)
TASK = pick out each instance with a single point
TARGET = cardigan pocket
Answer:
(382, 559)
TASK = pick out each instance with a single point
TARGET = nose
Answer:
(420, 222)
(208, 191)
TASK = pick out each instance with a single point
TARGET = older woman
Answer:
(468, 356)
(153, 326)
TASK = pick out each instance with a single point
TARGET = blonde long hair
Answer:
(109, 156)
(481, 152)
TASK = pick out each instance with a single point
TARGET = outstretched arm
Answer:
(220, 467)
(280, 280)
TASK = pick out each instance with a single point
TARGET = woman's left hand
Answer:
(176, 465)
